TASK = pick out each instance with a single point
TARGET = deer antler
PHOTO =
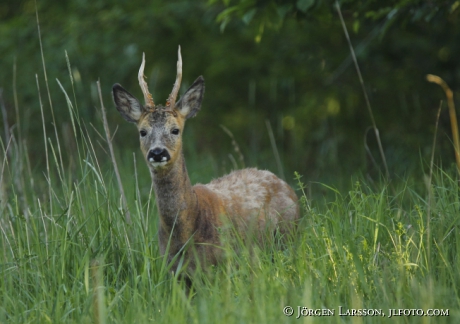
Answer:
(145, 89)
(172, 97)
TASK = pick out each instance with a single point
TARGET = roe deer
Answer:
(193, 215)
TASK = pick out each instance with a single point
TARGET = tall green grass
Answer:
(69, 256)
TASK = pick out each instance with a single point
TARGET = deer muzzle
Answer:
(158, 155)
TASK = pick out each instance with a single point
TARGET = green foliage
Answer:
(271, 13)
(282, 61)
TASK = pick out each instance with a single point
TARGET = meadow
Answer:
(78, 216)
(379, 252)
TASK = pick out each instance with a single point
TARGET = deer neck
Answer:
(174, 195)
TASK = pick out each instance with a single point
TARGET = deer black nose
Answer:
(158, 155)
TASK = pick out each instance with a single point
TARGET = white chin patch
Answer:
(157, 164)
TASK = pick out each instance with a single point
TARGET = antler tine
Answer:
(173, 96)
(145, 89)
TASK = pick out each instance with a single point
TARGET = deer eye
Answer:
(175, 131)
(143, 133)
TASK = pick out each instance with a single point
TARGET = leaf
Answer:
(304, 5)
(283, 10)
(356, 26)
(224, 23)
(225, 14)
(247, 17)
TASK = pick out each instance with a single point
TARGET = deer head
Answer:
(160, 127)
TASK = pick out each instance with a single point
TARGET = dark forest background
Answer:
(285, 64)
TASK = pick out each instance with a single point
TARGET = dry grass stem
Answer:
(112, 155)
(453, 115)
(48, 89)
(430, 194)
(361, 81)
(5, 116)
(98, 292)
(275, 149)
(235, 145)
(46, 145)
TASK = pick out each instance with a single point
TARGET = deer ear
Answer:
(128, 106)
(190, 103)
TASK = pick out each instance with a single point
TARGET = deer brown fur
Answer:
(192, 215)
